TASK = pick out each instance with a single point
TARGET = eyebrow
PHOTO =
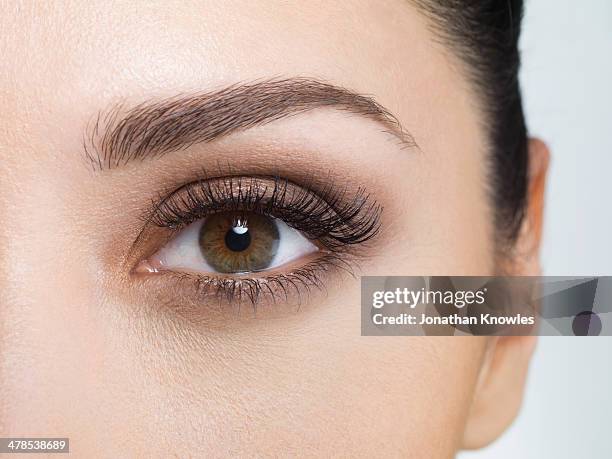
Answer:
(151, 129)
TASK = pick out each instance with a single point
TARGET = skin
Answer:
(91, 351)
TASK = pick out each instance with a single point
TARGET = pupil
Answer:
(238, 238)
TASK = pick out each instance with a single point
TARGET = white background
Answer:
(567, 88)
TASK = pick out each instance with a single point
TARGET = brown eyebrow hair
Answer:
(154, 128)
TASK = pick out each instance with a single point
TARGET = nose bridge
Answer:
(14, 277)
(20, 164)
(35, 296)
(34, 236)
(9, 190)
(19, 171)
(30, 153)
(19, 248)
(3, 286)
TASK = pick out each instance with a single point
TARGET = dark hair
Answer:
(484, 34)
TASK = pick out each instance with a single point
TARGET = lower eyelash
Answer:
(269, 289)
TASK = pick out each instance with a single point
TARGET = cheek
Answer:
(385, 394)
(304, 383)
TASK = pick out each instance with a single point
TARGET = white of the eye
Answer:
(183, 252)
(292, 245)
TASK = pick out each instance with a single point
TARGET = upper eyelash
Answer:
(330, 216)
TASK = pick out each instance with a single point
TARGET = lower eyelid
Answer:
(186, 293)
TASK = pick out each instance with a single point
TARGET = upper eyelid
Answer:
(167, 199)
(316, 188)
(349, 219)
(152, 129)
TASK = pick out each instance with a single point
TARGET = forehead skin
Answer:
(70, 366)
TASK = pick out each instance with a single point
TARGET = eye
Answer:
(233, 243)
(252, 238)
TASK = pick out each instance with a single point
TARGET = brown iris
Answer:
(238, 243)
